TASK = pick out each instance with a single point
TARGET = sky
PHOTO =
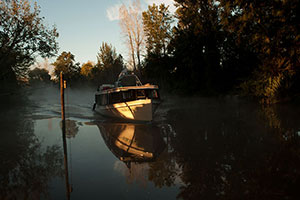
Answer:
(84, 24)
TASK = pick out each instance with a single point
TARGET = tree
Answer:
(23, 36)
(109, 63)
(107, 56)
(270, 30)
(39, 75)
(157, 22)
(132, 28)
(66, 63)
(157, 65)
(196, 43)
(87, 70)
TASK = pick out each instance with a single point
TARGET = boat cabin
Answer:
(119, 95)
(128, 87)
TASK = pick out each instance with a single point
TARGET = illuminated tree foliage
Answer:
(157, 27)
(87, 70)
(66, 63)
(157, 22)
(23, 36)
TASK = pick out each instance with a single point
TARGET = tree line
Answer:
(109, 65)
(205, 47)
(248, 47)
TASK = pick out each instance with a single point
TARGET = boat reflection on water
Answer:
(133, 142)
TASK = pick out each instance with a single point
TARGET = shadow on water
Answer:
(26, 168)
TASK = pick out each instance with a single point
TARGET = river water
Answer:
(196, 148)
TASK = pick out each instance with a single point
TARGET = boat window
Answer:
(140, 94)
(115, 97)
(101, 99)
(127, 95)
(104, 100)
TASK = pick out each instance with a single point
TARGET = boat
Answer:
(127, 99)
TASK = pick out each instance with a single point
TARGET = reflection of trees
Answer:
(224, 152)
(281, 119)
(71, 128)
(227, 150)
(25, 169)
(162, 172)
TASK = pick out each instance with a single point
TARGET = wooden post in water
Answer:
(62, 99)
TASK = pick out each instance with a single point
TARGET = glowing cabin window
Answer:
(128, 95)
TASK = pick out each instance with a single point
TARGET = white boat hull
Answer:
(139, 110)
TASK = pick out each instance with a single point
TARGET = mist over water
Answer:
(196, 148)
(45, 100)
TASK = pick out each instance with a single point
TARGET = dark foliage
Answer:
(23, 36)
(220, 47)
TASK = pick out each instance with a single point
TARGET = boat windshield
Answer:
(127, 78)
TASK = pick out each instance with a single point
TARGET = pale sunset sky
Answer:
(84, 24)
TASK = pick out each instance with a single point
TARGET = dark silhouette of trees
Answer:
(106, 70)
(38, 75)
(269, 30)
(227, 46)
(157, 22)
(66, 63)
(197, 42)
(216, 47)
(109, 64)
(23, 36)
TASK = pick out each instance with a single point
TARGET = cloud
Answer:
(112, 12)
